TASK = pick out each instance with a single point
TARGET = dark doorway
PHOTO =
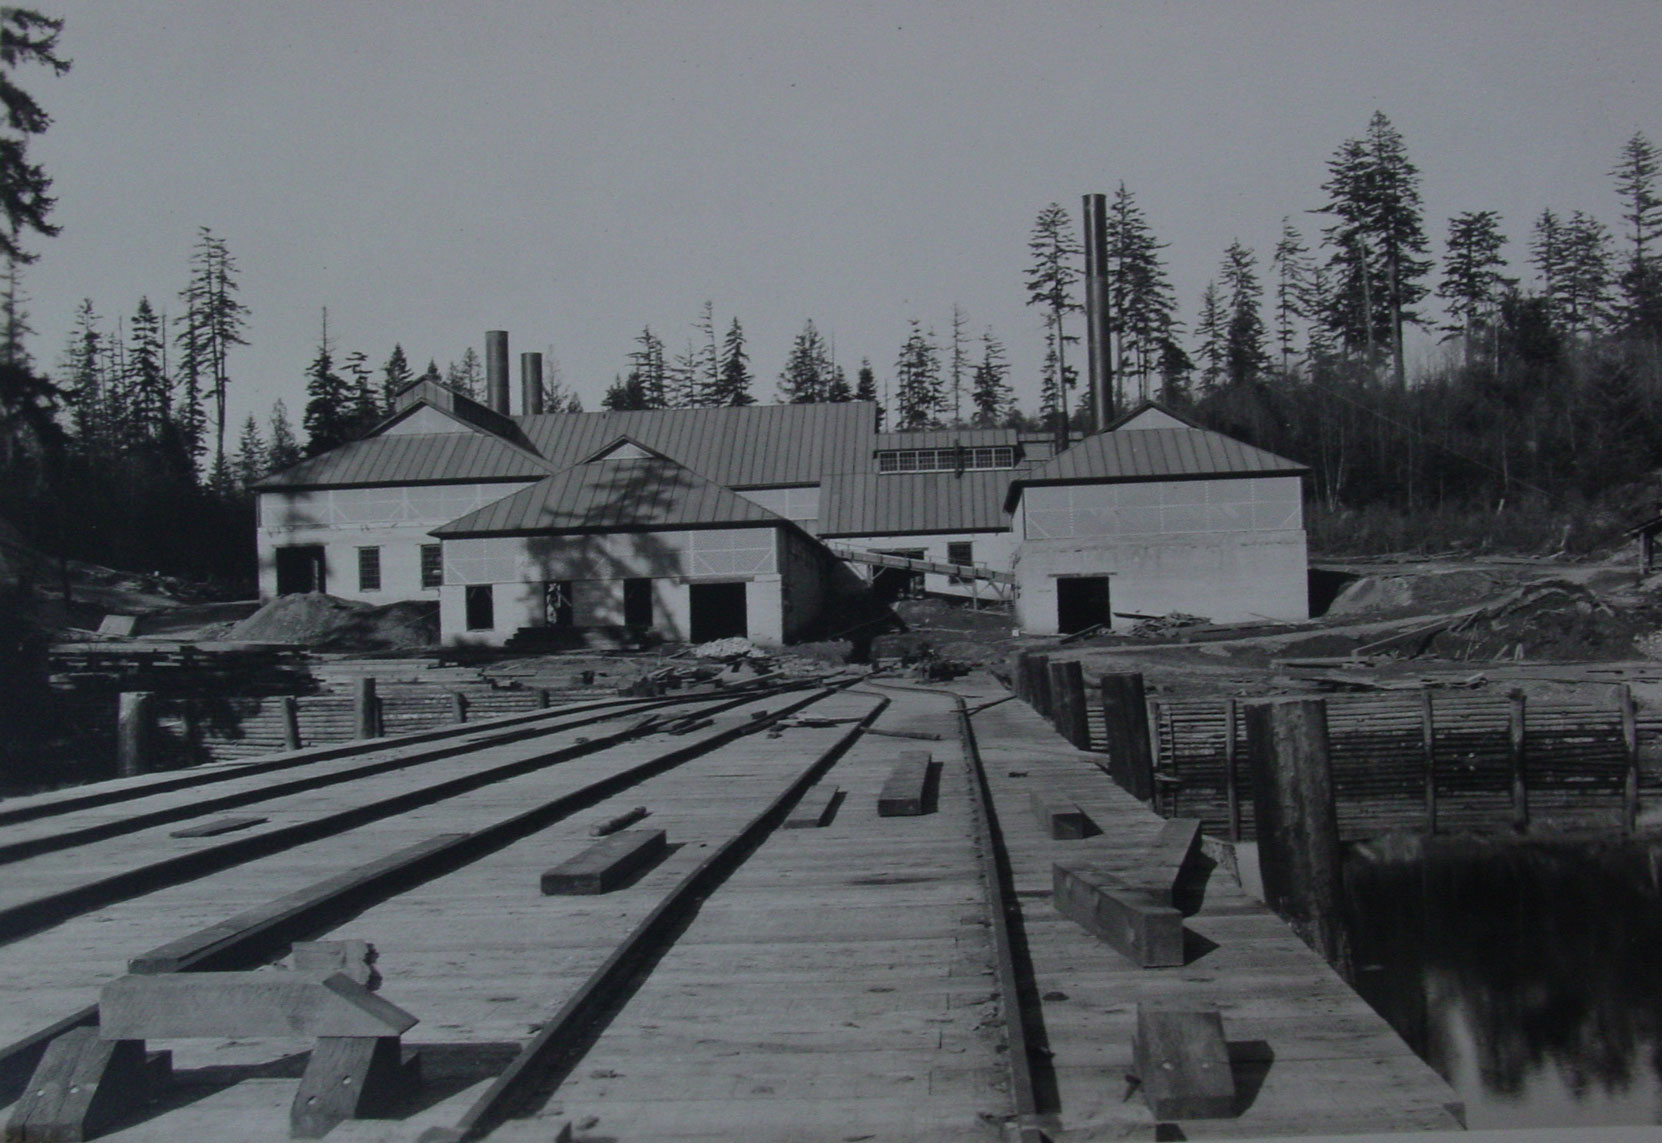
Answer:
(556, 603)
(481, 607)
(890, 584)
(1081, 602)
(718, 611)
(637, 603)
(300, 569)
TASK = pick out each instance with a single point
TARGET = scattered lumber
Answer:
(1061, 819)
(919, 734)
(231, 1004)
(219, 826)
(612, 825)
(1183, 1063)
(607, 864)
(904, 792)
(1133, 922)
(814, 810)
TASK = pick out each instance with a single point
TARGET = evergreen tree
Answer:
(1142, 305)
(467, 376)
(865, 389)
(1212, 328)
(284, 450)
(1245, 358)
(26, 37)
(707, 370)
(328, 419)
(1292, 290)
(216, 322)
(1584, 303)
(625, 394)
(556, 396)
(919, 394)
(839, 392)
(150, 393)
(1473, 283)
(1635, 174)
(395, 377)
(990, 387)
(14, 319)
(82, 374)
(366, 408)
(958, 359)
(431, 373)
(807, 372)
(1050, 281)
(682, 378)
(1373, 191)
(252, 457)
(648, 371)
(733, 381)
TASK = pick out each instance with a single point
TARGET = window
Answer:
(961, 553)
(369, 569)
(432, 565)
(481, 607)
(945, 459)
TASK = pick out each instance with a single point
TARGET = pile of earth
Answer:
(326, 623)
(1423, 592)
(1555, 619)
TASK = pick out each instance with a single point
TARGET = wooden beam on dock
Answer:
(1183, 1063)
(1132, 921)
(905, 791)
(232, 1004)
(814, 810)
(1060, 818)
(606, 864)
(219, 826)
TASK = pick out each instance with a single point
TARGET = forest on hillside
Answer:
(1538, 430)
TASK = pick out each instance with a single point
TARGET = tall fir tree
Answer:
(1641, 281)
(1473, 279)
(649, 371)
(1291, 262)
(1051, 277)
(216, 320)
(283, 450)
(1141, 302)
(252, 458)
(807, 373)
(395, 375)
(1212, 332)
(467, 376)
(328, 418)
(919, 392)
(733, 381)
(360, 383)
(1245, 357)
(26, 38)
(150, 397)
(959, 363)
(990, 386)
(865, 389)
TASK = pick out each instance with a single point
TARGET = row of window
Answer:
(945, 459)
(369, 567)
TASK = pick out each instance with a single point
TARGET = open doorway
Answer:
(890, 584)
(1081, 602)
(718, 611)
(300, 568)
(637, 604)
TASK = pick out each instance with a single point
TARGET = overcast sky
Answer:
(572, 172)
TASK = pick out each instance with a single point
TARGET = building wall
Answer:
(395, 519)
(799, 504)
(996, 550)
(1232, 550)
(773, 564)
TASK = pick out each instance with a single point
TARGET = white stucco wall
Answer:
(1230, 550)
(800, 504)
(395, 519)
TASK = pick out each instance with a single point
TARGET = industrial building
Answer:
(699, 524)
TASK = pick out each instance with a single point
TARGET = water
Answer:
(1528, 973)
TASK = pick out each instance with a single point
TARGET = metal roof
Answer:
(1154, 454)
(873, 504)
(414, 458)
(611, 494)
(744, 446)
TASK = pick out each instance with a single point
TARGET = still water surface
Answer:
(1528, 973)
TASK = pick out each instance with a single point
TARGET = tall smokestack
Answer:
(1099, 346)
(530, 383)
(496, 370)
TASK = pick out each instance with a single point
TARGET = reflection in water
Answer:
(1528, 973)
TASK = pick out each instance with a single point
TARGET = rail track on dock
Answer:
(429, 848)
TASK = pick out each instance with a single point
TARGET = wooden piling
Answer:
(1428, 748)
(543, 699)
(458, 706)
(1518, 763)
(1232, 779)
(1125, 712)
(290, 707)
(1039, 682)
(1067, 690)
(364, 708)
(1298, 824)
(135, 732)
(1630, 743)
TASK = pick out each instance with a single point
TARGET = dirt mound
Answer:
(1424, 591)
(326, 623)
(1556, 619)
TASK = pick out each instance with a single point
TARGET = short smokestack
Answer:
(530, 383)
(496, 370)
(1099, 347)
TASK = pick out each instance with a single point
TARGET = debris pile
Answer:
(1554, 619)
(1165, 626)
(327, 623)
(737, 647)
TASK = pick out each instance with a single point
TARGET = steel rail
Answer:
(545, 1059)
(33, 916)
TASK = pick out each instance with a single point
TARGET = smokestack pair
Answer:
(496, 375)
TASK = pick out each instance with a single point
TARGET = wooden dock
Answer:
(840, 979)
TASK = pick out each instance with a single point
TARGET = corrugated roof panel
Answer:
(1151, 454)
(411, 459)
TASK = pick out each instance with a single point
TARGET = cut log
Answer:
(1061, 819)
(814, 810)
(232, 1004)
(1133, 922)
(606, 864)
(903, 793)
(1183, 1063)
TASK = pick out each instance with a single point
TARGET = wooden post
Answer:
(458, 706)
(363, 707)
(291, 722)
(1298, 827)
(1630, 743)
(1232, 781)
(1125, 712)
(1067, 689)
(1515, 754)
(1041, 697)
(543, 699)
(135, 732)
(1428, 751)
